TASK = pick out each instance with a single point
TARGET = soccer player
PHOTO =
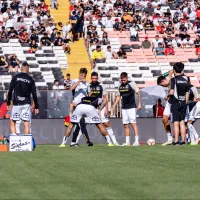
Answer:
(179, 96)
(87, 107)
(21, 87)
(193, 110)
(127, 90)
(97, 90)
(165, 82)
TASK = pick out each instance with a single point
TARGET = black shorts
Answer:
(178, 111)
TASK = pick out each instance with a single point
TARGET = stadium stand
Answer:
(21, 23)
(145, 37)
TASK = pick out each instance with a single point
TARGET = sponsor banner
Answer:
(20, 143)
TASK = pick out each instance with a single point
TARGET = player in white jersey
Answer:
(164, 81)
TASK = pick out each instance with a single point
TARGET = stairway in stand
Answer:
(79, 57)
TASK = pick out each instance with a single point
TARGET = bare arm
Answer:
(116, 102)
(73, 86)
(187, 97)
(139, 100)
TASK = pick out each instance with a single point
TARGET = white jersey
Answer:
(82, 90)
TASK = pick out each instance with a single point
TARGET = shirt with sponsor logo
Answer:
(127, 92)
(22, 86)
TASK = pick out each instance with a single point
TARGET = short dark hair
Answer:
(67, 74)
(83, 71)
(159, 100)
(25, 64)
(160, 79)
(178, 67)
(123, 75)
(94, 74)
(56, 81)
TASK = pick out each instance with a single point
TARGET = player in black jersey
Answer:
(179, 96)
(97, 90)
(20, 90)
(127, 90)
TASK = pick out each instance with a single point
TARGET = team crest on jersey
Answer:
(98, 88)
(126, 86)
(74, 117)
(95, 119)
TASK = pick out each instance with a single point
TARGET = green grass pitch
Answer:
(101, 172)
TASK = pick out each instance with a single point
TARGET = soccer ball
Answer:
(151, 142)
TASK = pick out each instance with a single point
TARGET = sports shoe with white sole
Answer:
(111, 145)
(116, 144)
(62, 145)
(125, 145)
(167, 143)
(136, 144)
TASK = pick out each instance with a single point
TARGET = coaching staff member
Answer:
(179, 96)
(21, 87)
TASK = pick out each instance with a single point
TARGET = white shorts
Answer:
(129, 116)
(194, 112)
(167, 110)
(104, 118)
(89, 111)
(21, 112)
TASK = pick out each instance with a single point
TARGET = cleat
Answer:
(175, 143)
(111, 145)
(74, 145)
(126, 145)
(62, 145)
(116, 144)
(193, 144)
(182, 143)
(136, 144)
(90, 144)
(167, 143)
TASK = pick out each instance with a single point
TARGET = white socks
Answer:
(108, 139)
(78, 137)
(65, 138)
(169, 137)
(193, 133)
(128, 140)
(111, 134)
(137, 139)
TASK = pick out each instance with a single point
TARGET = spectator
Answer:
(109, 54)
(121, 54)
(105, 40)
(169, 50)
(146, 44)
(155, 41)
(149, 9)
(108, 23)
(197, 45)
(23, 36)
(98, 56)
(13, 63)
(54, 4)
(176, 42)
(33, 47)
(134, 33)
(45, 40)
(3, 63)
(67, 82)
(167, 40)
(58, 41)
(187, 42)
(148, 25)
(56, 85)
(158, 109)
(160, 49)
(117, 26)
(34, 36)
(12, 34)
(126, 17)
(169, 29)
(3, 33)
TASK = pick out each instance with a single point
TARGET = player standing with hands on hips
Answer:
(21, 87)
(127, 90)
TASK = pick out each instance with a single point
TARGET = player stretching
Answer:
(179, 96)
(87, 107)
(127, 90)
(97, 90)
(20, 90)
(165, 82)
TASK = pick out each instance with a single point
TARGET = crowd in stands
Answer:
(40, 32)
(175, 25)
